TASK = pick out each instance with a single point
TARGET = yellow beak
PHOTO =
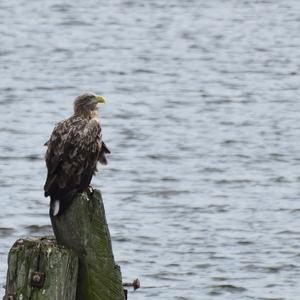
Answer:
(100, 99)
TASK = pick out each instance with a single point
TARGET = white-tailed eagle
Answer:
(74, 148)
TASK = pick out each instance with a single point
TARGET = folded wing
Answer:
(74, 148)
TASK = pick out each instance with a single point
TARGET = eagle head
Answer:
(86, 103)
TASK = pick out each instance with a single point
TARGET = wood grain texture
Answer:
(59, 265)
(83, 228)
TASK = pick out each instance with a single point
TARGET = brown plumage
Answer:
(74, 148)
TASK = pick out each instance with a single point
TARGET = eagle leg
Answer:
(90, 190)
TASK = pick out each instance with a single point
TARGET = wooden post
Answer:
(38, 269)
(83, 228)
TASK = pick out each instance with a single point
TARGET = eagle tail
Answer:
(58, 206)
(55, 207)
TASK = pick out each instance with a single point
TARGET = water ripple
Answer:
(202, 187)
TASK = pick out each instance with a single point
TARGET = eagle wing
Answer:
(71, 158)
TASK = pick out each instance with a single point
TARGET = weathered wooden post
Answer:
(83, 228)
(78, 265)
(39, 269)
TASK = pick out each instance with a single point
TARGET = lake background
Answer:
(202, 187)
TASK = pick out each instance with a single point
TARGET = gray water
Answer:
(202, 187)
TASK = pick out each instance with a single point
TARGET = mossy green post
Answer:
(83, 228)
(31, 255)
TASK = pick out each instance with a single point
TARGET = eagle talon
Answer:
(90, 190)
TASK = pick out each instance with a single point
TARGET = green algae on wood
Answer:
(43, 255)
(83, 228)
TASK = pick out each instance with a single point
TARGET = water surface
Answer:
(202, 187)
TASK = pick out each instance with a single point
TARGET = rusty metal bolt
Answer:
(135, 284)
(37, 279)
